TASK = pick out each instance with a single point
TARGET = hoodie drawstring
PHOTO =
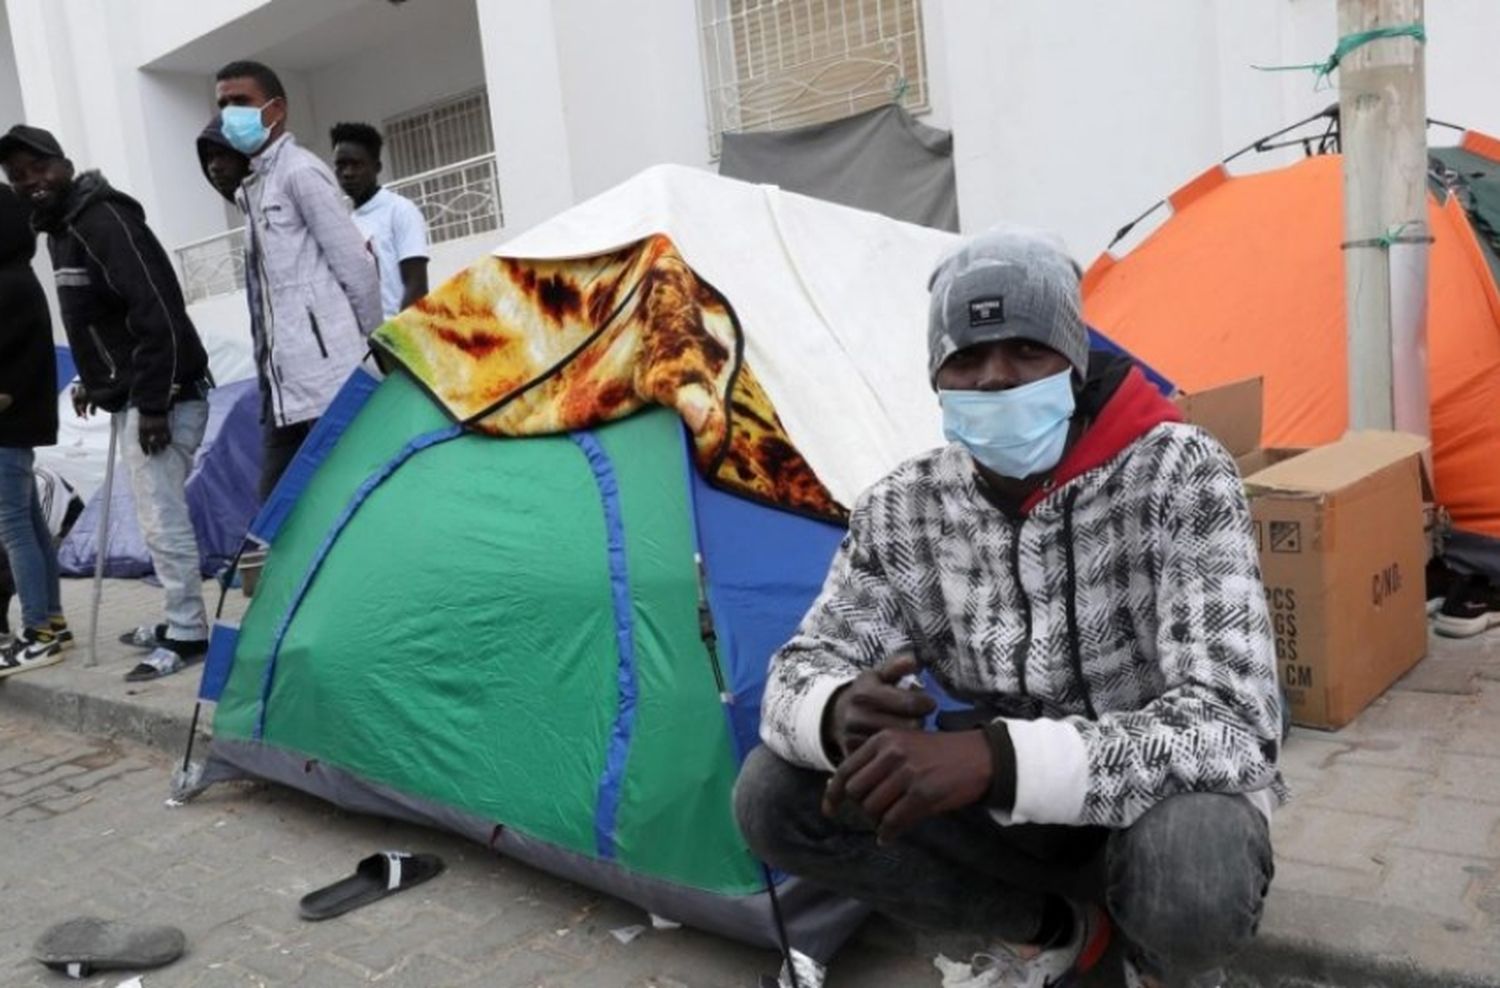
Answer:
(1075, 645)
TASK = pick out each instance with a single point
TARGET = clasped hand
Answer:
(897, 773)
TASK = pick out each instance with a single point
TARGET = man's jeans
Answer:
(159, 484)
(1185, 884)
(27, 540)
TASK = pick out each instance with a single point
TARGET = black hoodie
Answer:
(28, 371)
(211, 138)
(122, 306)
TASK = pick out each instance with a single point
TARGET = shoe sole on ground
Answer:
(101, 945)
(42, 663)
(1452, 627)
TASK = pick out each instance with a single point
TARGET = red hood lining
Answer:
(1133, 410)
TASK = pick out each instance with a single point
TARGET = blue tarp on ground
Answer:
(66, 369)
(222, 494)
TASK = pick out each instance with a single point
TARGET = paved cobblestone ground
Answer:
(84, 831)
(1391, 852)
(1392, 847)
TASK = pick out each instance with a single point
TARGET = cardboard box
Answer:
(1232, 413)
(1344, 533)
(1343, 553)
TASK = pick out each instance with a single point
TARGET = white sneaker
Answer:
(1058, 967)
(35, 648)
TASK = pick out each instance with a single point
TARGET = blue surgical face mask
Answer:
(244, 128)
(1016, 433)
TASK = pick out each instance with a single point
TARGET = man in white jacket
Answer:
(1079, 566)
(314, 291)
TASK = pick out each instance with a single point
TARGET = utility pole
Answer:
(1383, 135)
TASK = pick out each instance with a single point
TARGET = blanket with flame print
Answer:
(515, 347)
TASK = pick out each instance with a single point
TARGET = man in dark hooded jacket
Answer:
(28, 419)
(223, 166)
(138, 358)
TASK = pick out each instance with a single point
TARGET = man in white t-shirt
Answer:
(392, 224)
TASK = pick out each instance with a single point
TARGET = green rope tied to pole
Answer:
(1385, 240)
(1395, 235)
(1347, 44)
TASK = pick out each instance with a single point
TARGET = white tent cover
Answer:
(833, 302)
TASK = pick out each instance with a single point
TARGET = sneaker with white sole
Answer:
(1055, 967)
(1471, 608)
(36, 648)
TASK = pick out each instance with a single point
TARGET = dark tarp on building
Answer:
(881, 160)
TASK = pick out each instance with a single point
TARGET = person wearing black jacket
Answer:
(223, 166)
(139, 358)
(28, 419)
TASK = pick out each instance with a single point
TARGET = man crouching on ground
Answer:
(1079, 566)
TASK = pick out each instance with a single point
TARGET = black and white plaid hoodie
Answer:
(1118, 624)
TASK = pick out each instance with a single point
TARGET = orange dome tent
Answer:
(1246, 278)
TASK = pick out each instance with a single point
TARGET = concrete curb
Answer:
(1284, 962)
(85, 713)
(1273, 961)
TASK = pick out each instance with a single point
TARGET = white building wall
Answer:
(1069, 114)
(632, 87)
(175, 107)
(1076, 143)
(1463, 72)
(440, 56)
(527, 111)
(585, 93)
(163, 26)
(1078, 115)
(11, 107)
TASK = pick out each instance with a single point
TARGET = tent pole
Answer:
(1383, 113)
(710, 636)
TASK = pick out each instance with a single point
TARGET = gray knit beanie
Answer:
(1009, 283)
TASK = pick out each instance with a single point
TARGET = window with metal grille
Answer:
(442, 158)
(772, 64)
(445, 133)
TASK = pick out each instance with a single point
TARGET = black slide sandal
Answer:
(374, 878)
(79, 947)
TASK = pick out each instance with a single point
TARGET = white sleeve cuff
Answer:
(807, 724)
(1052, 773)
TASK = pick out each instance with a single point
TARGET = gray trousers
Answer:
(159, 484)
(1185, 884)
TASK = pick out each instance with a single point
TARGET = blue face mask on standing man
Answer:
(244, 127)
(1018, 432)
